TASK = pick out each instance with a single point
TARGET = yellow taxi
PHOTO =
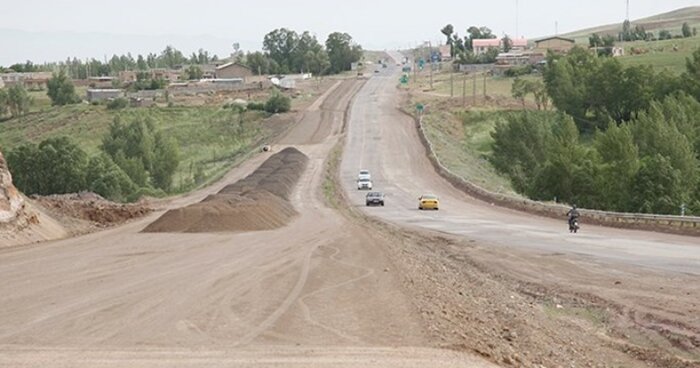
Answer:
(428, 202)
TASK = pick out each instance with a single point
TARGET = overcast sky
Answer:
(56, 29)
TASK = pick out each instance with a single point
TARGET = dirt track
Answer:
(319, 292)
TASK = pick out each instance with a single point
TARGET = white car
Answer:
(364, 183)
(364, 174)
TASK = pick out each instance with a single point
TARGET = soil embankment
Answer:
(257, 202)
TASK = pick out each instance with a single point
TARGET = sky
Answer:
(50, 30)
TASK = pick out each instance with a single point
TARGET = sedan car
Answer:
(375, 199)
(364, 184)
(364, 174)
(428, 202)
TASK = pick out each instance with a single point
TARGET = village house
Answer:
(96, 95)
(36, 81)
(481, 46)
(233, 71)
(559, 45)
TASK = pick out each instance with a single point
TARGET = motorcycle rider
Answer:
(573, 215)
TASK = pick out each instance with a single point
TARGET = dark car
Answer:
(375, 199)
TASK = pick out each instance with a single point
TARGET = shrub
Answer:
(278, 103)
(256, 106)
(117, 103)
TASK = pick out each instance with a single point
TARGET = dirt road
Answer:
(320, 292)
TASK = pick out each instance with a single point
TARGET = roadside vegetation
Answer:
(208, 140)
(606, 133)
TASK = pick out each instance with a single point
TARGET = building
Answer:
(96, 95)
(481, 46)
(233, 70)
(36, 81)
(555, 44)
(519, 44)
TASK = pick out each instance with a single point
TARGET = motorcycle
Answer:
(573, 226)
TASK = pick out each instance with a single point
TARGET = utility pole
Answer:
(474, 91)
(628, 11)
(430, 58)
(464, 91)
(517, 20)
(485, 74)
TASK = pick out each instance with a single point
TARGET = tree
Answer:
(61, 90)
(448, 30)
(280, 45)
(507, 43)
(4, 106)
(166, 161)
(18, 101)
(141, 152)
(665, 35)
(686, 31)
(194, 72)
(259, 63)
(691, 77)
(619, 156)
(105, 178)
(278, 103)
(56, 166)
(342, 51)
(594, 40)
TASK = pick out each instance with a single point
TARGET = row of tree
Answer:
(640, 150)
(639, 33)
(597, 90)
(76, 68)
(286, 51)
(649, 164)
(134, 159)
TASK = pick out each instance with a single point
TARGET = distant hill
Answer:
(671, 21)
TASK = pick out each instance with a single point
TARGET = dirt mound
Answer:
(11, 202)
(258, 202)
(93, 208)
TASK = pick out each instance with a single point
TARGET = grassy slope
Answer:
(209, 137)
(661, 54)
(671, 21)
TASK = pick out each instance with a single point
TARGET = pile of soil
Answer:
(258, 202)
(11, 201)
(93, 208)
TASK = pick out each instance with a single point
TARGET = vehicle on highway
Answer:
(375, 199)
(428, 202)
(364, 174)
(573, 226)
(364, 184)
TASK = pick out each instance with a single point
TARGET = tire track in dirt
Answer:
(306, 310)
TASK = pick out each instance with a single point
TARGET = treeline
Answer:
(595, 91)
(135, 160)
(286, 51)
(638, 33)
(76, 68)
(625, 139)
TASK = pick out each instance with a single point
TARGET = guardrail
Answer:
(684, 225)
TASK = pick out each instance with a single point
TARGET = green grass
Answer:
(462, 141)
(667, 54)
(454, 85)
(208, 137)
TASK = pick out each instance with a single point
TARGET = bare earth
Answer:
(317, 293)
(466, 286)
